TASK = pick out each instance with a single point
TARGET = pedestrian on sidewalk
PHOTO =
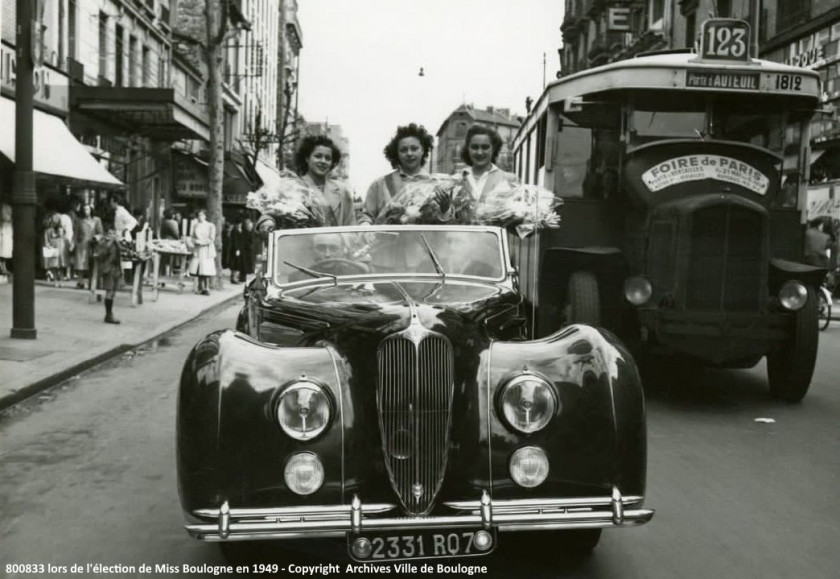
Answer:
(203, 262)
(109, 264)
(88, 226)
(54, 249)
(248, 245)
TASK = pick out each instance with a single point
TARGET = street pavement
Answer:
(72, 335)
(741, 483)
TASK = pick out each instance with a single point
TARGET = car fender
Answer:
(230, 446)
(597, 437)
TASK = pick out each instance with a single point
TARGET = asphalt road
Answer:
(87, 476)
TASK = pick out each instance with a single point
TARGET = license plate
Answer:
(419, 545)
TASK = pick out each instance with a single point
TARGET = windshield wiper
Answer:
(312, 272)
(434, 257)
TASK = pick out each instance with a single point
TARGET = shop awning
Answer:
(55, 150)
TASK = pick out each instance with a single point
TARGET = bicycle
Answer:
(826, 297)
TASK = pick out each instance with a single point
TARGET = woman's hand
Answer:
(443, 198)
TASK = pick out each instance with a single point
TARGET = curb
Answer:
(62, 375)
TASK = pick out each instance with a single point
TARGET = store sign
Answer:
(697, 167)
(51, 86)
(618, 18)
(722, 80)
(190, 180)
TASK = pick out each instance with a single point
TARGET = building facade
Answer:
(450, 136)
(129, 81)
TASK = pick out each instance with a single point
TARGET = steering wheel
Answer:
(340, 266)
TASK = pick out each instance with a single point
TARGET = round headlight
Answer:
(528, 402)
(304, 473)
(529, 466)
(793, 295)
(637, 290)
(303, 410)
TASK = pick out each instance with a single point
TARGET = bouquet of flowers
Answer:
(417, 202)
(290, 201)
(523, 207)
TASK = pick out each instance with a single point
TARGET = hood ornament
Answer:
(417, 491)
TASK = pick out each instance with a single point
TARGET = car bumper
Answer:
(231, 524)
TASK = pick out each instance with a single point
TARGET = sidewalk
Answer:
(73, 337)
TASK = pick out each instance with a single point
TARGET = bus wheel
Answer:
(789, 370)
(583, 301)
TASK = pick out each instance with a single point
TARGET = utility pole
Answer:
(279, 121)
(755, 24)
(23, 196)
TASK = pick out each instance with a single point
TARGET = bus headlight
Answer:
(637, 290)
(793, 295)
(304, 473)
(529, 466)
(303, 410)
(527, 402)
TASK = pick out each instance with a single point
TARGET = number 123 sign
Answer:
(725, 39)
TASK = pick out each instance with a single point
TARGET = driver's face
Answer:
(327, 246)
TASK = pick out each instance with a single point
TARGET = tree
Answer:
(206, 26)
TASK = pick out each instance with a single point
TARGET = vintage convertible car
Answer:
(381, 386)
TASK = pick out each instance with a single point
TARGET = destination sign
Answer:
(696, 167)
(722, 80)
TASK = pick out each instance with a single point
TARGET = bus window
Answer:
(572, 155)
(654, 117)
(738, 120)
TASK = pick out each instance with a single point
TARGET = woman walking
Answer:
(203, 262)
(88, 226)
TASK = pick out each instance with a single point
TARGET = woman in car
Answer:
(407, 152)
(315, 158)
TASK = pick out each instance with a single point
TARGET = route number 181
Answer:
(725, 39)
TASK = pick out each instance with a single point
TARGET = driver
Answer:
(329, 255)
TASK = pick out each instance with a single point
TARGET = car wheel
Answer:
(790, 369)
(583, 300)
(825, 310)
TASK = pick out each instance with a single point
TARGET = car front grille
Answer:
(414, 396)
(727, 258)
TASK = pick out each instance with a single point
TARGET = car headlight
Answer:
(303, 410)
(527, 402)
(529, 466)
(793, 295)
(637, 290)
(304, 473)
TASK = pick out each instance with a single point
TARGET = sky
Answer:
(360, 63)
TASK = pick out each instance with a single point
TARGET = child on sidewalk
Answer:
(107, 256)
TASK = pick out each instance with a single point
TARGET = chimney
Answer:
(489, 109)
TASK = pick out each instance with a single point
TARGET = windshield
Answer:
(384, 251)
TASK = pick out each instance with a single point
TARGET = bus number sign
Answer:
(725, 39)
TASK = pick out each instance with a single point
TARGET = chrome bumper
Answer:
(337, 520)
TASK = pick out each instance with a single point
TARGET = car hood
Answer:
(384, 307)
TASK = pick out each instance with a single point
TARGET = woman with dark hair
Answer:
(407, 152)
(315, 158)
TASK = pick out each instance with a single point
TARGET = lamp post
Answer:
(23, 195)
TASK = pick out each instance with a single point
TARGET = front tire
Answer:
(583, 299)
(789, 370)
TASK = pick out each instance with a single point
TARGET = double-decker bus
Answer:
(683, 179)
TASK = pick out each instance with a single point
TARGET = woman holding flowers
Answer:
(315, 158)
(407, 153)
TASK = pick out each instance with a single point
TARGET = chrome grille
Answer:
(414, 394)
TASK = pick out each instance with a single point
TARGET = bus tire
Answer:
(789, 370)
(583, 300)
